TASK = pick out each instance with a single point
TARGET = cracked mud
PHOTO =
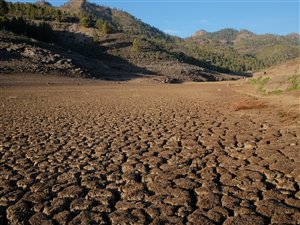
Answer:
(144, 154)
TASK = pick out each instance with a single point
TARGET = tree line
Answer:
(35, 12)
(41, 31)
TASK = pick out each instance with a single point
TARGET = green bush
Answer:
(86, 21)
(136, 46)
(103, 27)
(295, 83)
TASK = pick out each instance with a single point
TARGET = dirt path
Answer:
(145, 154)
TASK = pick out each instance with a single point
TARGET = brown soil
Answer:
(89, 152)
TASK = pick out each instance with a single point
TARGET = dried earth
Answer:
(88, 152)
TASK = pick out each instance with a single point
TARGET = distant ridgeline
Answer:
(243, 50)
(227, 50)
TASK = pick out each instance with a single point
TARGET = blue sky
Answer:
(183, 18)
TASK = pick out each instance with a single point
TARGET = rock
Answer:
(245, 220)
(18, 213)
(123, 217)
(62, 217)
(71, 192)
(206, 199)
(197, 217)
(39, 219)
(39, 60)
(80, 204)
(89, 168)
(230, 202)
(270, 207)
(83, 218)
(133, 191)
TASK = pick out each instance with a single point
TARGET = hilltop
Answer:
(42, 3)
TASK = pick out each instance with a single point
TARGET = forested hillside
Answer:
(244, 50)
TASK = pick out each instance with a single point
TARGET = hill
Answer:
(110, 39)
(42, 3)
(119, 20)
(257, 51)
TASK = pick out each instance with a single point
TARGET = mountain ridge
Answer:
(270, 49)
(43, 3)
(240, 31)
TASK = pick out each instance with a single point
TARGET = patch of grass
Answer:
(261, 82)
(261, 89)
(253, 81)
(295, 83)
(276, 92)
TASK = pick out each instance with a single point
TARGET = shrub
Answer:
(136, 46)
(96, 37)
(103, 26)
(295, 83)
(86, 21)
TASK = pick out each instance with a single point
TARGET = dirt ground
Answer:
(88, 152)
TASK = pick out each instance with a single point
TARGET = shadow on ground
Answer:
(95, 58)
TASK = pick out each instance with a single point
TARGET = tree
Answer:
(136, 46)
(3, 23)
(58, 15)
(103, 26)
(99, 24)
(96, 37)
(3, 7)
(86, 21)
(41, 31)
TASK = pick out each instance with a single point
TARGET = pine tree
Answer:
(86, 21)
(96, 37)
(99, 24)
(3, 8)
(105, 28)
(136, 46)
